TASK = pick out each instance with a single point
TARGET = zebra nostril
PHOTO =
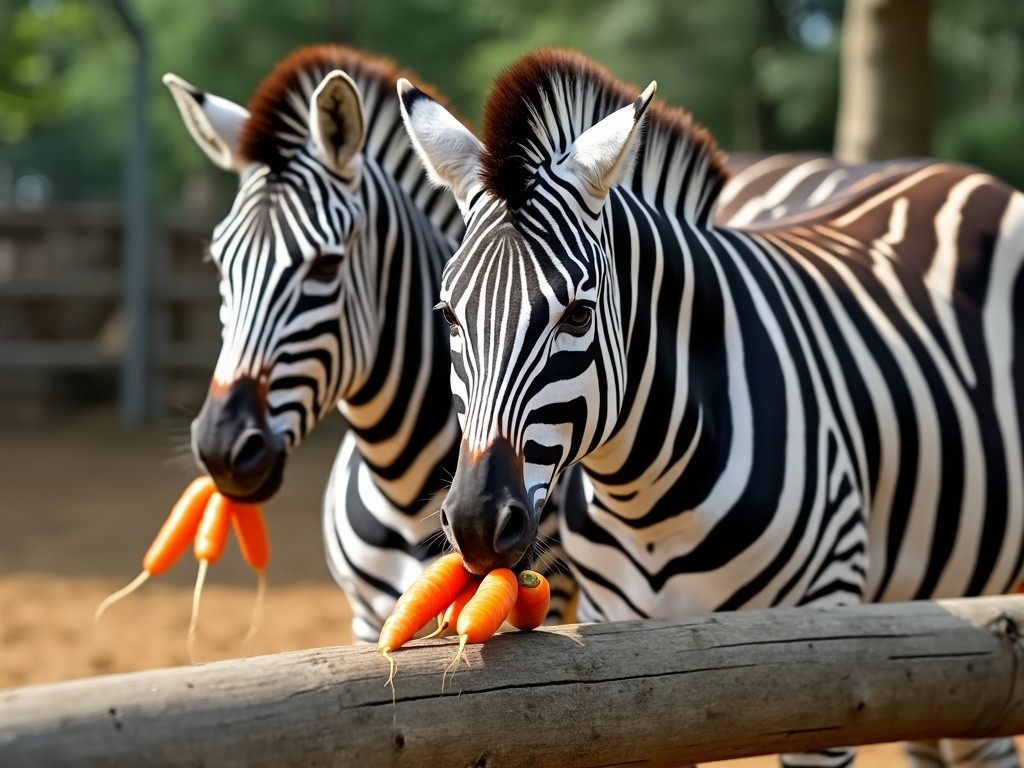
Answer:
(444, 520)
(513, 527)
(248, 449)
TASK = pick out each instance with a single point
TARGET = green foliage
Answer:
(978, 72)
(36, 41)
(760, 75)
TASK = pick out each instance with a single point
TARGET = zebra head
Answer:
(297, 310)
(536, 339)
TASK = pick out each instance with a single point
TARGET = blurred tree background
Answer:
(761, 74)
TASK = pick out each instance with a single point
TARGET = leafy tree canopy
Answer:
(760, 75)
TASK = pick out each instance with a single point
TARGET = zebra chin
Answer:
(487, 515)
(232, 441)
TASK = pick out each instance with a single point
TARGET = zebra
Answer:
(329, 262)
(817, 409)
(763, 188)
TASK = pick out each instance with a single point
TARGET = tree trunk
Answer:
(884, 106)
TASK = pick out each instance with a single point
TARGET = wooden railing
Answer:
(653, 693)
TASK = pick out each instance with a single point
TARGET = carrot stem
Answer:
(532, 601)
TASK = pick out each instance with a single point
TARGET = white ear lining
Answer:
(213, 122)
(603, 154)
(336, 122)
(449, 152)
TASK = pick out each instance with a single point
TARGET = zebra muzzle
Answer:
(487, 515)
(233, 442)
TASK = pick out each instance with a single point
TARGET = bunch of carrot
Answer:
(202, 517)
(476, 607)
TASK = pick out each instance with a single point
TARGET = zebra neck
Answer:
(678, 317)
(402, 414)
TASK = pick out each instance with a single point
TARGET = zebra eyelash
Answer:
(577, 318)
(326, 267)
(449, 316)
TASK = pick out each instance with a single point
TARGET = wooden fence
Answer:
(61, 300)
(656, 693)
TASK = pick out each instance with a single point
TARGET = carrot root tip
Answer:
(256, 617)
(119, 595)
(390, 682)
(442, 625)
(193, 623)
(463, 639)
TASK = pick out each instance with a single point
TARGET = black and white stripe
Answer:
(328, 278)
(818, 407)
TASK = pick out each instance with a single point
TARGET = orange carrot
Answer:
(451, 616)
(212, 534)
(209, 543)
(252, 535)
(174, 536)
(181, 526)
(488, 608)
(532, 601)
(431, 593)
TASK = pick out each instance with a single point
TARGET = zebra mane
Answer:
(542, 102)
(278, 123)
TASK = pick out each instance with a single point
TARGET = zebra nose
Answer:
(486, 515)
(512, 529)
(250, 452)
(233, 442)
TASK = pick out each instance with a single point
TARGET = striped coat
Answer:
(814, 406)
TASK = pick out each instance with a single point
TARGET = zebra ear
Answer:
(602, 156)
(336, 120)
(450, 153)
(214, 123)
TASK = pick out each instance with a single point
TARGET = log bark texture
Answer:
(653, 693)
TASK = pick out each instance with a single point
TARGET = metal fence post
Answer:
(135, 400)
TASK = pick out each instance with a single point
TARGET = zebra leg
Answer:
(839, 757)
(374, 549)
(923, 754)
(366, 623)
(838, 581)
(979, 753)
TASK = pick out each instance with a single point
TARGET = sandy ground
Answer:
(80, 500)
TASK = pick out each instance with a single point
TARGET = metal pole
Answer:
(136, 287)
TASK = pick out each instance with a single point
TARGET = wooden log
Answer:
(656, 693)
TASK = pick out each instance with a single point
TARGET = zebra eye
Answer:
(326, 267)
(577, 319)
(449, 317)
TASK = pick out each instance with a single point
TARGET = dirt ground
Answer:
(80, 500)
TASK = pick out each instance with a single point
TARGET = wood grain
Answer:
(655, 693)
